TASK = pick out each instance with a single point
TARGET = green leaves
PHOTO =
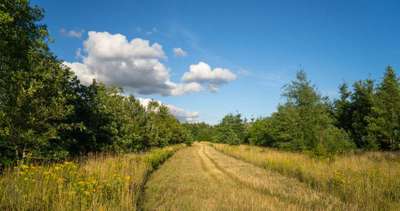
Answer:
(231, 130)
(384, 121)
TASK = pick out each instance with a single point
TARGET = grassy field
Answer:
(369, 180)
(99, 183)
(207, 177)
(201, 178)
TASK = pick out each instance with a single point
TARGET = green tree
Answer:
(259, 132)
(384, 123)
(35, 87)
(200, 131)
(361, 107)
(231, 129)
(342, 109)
(305, 122)
(162, 128)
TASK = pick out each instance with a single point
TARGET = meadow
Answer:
(210, 180)
(101, 182)
(369, 180)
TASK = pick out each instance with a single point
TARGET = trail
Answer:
(201, 178)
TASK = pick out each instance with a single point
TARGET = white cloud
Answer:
(72, 33)
(180, 113)
(179, 52)
(203, 74)
(82, 71)
(180, 89)
(136, 65)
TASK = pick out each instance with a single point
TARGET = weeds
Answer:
(101, 183)
(370, 180)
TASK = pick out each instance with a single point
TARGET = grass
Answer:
(102, 182)
(201, 178)
(370, 180)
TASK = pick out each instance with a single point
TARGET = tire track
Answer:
(204, 166)
(201, 178)
(245, 184)
(257, 184)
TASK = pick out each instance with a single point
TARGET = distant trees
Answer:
(47, 114)
(200, 131)
(364, 117)
(162, 128)
(303, 122)
(231, 130)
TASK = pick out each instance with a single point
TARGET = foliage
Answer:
(370, 114)
(35, 88)
(361, 108)
(231, 130)
(200, 131)
(302, 123)
(384, 122)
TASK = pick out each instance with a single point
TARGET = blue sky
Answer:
(263, 43)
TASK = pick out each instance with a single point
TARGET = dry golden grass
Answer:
(201, 178)
(100, 183)
(369, 180)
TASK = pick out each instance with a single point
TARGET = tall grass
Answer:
(370, 180)
(100, 183)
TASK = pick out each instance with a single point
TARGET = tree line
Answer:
(366, 116)
(47, 114)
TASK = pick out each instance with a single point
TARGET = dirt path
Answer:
(201, 178)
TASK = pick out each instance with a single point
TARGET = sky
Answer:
(207, 58)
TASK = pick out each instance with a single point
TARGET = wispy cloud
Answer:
(72, 33)
(179, 52)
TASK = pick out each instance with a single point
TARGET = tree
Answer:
(260, 134)
(200, 131)
(360, 109)
(342, 109)
(162, 128)
(384, 123)
(304, 120)
(231, 129)
(35, 87)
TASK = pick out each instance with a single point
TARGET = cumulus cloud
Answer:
(179, 52)
(180, 113)
(136, 65)
(202, 73)
(72, 33)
